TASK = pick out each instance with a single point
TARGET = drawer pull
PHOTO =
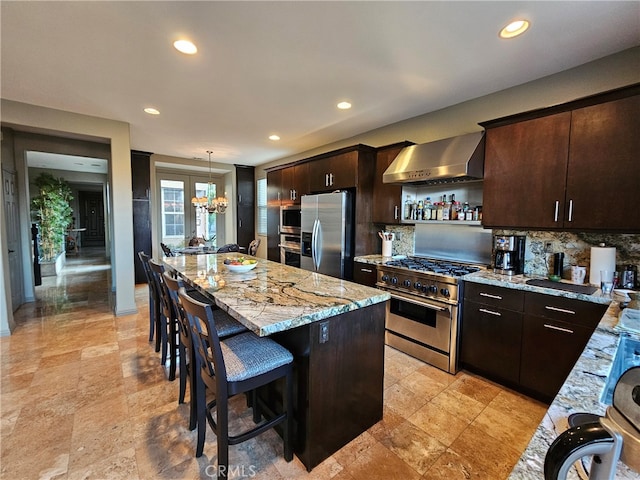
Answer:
(553, 327)
(484, 310)
(562, 310)
(497, 297)
(368, 270)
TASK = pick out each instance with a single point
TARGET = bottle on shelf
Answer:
(407, 208)
(446, 208)
(426, 213)
(440, 211)
(420, 210)
(455, 208)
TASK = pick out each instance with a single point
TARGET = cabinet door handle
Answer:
(326, 179)
(560, 329)
(368, 270)
(571, 210)
(395, 212)
(240, 222)
(331, 179)
(497, 297)
(278, 196)
(295, 194)
(562, 310)
(555, 216)
(239, 198)
(490, 312)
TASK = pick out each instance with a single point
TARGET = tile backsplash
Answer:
(576, 248)
(538, 258)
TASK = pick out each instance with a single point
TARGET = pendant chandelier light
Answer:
(210, 205)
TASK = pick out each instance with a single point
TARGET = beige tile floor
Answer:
(83, 395)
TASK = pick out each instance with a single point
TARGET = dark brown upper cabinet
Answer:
(387, 197)
(576, 169)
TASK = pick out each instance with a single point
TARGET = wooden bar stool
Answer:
(154, 301)
(225, 325)
(168, 323)
(238, 364)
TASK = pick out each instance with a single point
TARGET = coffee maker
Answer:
(508, 256)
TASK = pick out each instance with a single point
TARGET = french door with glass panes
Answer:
(179, 219)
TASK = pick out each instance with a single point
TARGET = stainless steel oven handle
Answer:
(421, 304)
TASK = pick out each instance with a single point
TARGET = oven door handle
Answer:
(421, 304)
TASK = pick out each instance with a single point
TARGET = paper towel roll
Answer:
(602, 258)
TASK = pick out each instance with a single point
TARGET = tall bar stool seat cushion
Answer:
(247, 355)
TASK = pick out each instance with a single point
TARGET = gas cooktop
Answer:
(430, 265)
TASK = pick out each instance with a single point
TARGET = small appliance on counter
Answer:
(616, 436)
(508, 257)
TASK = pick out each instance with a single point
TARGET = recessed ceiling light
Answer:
(185, 46)
(274, 137)
(515, 28)
(344, 105)
(152, 111)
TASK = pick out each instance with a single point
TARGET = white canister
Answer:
(387, 248)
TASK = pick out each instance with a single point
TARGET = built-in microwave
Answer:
(290, 219)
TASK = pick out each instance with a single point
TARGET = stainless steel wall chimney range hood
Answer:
(455, 159)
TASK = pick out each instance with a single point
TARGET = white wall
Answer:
(119, 185)
(601, 75)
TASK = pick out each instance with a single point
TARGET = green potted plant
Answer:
(52, 212)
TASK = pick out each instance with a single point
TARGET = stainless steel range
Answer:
(424, 311)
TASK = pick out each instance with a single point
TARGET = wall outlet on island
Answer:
(324, 332)
(547, 247)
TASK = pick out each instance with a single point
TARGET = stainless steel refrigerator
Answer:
(327, 234)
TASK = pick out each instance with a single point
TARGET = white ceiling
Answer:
(281, 67)
(66, 162)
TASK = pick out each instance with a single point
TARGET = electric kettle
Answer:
(616, 436)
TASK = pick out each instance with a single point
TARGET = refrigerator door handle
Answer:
(318, 245)
(313, 244)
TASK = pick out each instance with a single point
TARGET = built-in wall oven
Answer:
(290, 219)
(290, 249)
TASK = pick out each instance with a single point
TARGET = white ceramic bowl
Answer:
(241, 268)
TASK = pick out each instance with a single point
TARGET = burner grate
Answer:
(433, 266)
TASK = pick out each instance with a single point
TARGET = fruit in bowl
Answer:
(240, 261)
(240, 264)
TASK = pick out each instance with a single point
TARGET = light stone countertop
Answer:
(273, 297)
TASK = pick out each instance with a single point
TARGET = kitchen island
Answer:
(333, 328)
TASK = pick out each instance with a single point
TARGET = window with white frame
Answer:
(172, 201)
(261, 206)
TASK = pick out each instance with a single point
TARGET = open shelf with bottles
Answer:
(467, 198)
(441, 222)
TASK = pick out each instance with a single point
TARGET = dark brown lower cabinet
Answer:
(550, 349)
(527, 341)
(490, 341)
(364, 273)
(556, 330)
